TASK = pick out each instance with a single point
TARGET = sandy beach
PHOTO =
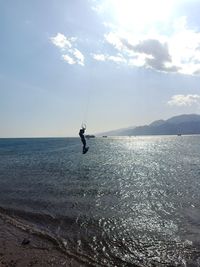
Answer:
(20, 249)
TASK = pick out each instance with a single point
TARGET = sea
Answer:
(129, 201)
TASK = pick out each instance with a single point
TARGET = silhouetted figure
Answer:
(81, 134)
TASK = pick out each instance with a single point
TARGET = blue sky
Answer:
(109, 63)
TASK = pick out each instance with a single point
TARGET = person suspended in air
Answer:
(81, 134)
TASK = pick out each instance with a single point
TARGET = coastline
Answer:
(21, 249)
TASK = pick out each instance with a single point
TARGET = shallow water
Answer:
(128, 201)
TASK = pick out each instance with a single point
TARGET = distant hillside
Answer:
(182, 124)
(118, 132)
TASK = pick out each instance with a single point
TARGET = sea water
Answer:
(130, 201)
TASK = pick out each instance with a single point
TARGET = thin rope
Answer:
(85, 113)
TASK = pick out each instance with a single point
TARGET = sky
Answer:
(109, 64)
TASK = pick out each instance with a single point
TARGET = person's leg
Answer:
(84, 144)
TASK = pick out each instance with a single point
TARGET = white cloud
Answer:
(115, 40)
(78, 55)
(99, 57)
(151, 53)
(143, 52)
(178, 53)
(178, 50)
(61, 41)
(73, 56)
(117, 59)
(184, 100)
(68, 59)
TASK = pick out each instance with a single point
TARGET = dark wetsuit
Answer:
(81, 134)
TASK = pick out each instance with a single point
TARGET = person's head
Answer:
(83, 126)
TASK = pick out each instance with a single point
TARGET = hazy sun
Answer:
(140, 13)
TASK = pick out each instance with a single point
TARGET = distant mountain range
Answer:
(182, 124)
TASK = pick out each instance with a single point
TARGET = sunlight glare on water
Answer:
(129, 200)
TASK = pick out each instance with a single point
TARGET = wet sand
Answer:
(21, 249)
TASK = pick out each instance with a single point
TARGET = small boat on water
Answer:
(90, 136)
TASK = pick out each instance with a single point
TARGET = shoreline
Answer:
(19, 248)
